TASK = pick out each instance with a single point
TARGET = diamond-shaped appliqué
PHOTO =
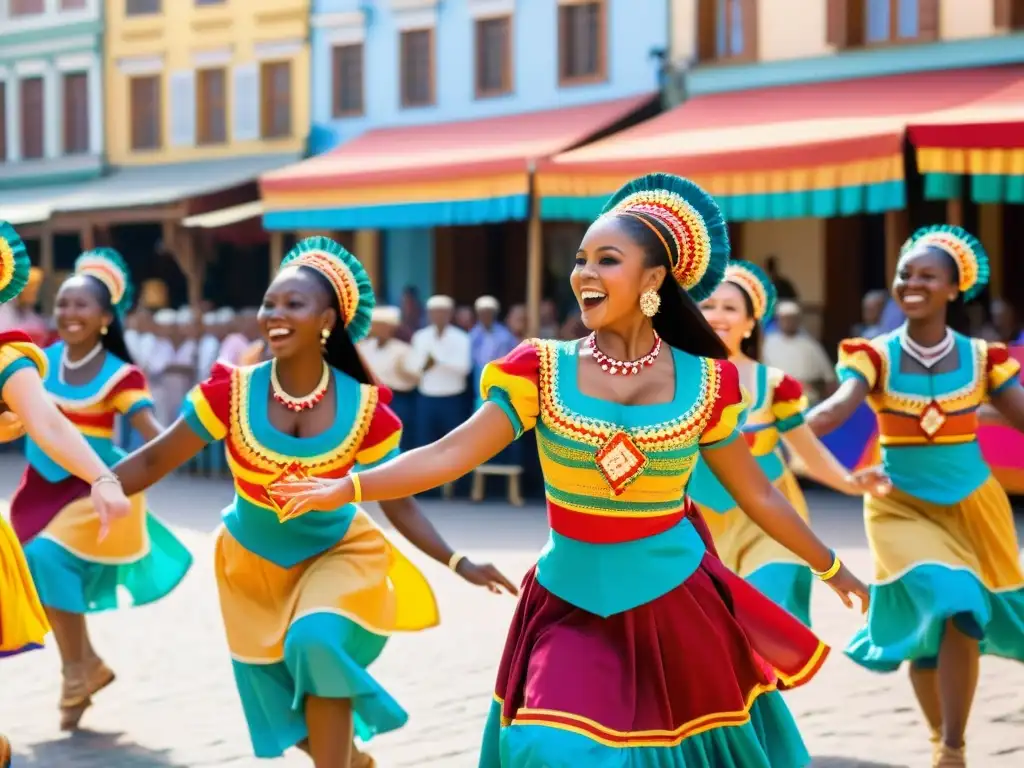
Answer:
(932, 419)
(621, 462)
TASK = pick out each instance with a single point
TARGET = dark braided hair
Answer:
(339, 351)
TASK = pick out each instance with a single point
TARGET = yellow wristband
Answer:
(357, 488)
(832, 569)
(454, 560)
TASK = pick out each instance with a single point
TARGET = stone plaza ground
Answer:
(174, 704)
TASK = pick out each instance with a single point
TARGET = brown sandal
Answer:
(81, 682)
(949, 757)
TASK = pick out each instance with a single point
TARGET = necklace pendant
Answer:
(621, 462)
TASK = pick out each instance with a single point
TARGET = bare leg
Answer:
(330, 732)
(925, 681)
(359, 759)
(958, 680)
(84, 672)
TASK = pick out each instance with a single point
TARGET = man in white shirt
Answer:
(441, 357)
(792, 350)
(387, 357)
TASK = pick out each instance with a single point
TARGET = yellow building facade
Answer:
(194, 80)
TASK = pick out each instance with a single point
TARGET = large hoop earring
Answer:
(650, 302)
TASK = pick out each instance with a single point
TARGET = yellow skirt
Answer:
(934, 564)
(748, 551)
(23, 624)
(314, 628)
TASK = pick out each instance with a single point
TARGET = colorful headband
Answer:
(14, 263)
(754, 282)
(108, 266)
(964, 248)
(347, 277)
(699, 247)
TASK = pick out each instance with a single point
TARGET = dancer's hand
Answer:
(110, 503)
(11, 427)
(872, 480)
(485, 576)
(846, 584)
(314, 495)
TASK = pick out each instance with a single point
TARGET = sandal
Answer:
(949, 757)
(5, 752)
(81, 682)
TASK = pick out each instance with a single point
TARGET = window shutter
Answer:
(928, 19)
(835, 23)
(183, 108)
(1003, 13)
(751, 27)
(707, 28)
(246, 102)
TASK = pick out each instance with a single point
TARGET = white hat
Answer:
(165, 317)
(487, 302)
(787, 307)
(387, 315)
(440, 302)
(210, 318)
(225, 315)
(185, 315)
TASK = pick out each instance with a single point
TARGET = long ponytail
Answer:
(339, 351)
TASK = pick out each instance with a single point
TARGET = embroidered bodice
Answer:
(778, 405)
(232, 406)
(615, 475)
(119, 388)
(928, 422)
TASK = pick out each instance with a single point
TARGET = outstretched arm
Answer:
(159, 457)
(832, 413)
(736, 469)
(821, 465)
(1009, 402)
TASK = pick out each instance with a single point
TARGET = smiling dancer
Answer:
(632, 643)
(92, 379)
(736, 310)
(26, 408)
(950, 585)
(308, 601)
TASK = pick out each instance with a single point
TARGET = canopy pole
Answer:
(897, 225)
(47, 291)
(276, 251)
(955, 212)
(534, 259)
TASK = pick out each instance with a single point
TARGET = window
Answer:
(32, 118)
(348, 79)
(141, 7)
(144, 103)
(276, 118)
(3, 121)
(581, 41)
(27, 7)
(211, 106)
(76, 113)
(72, 5)
(856, 23)
(727, 30)
(1009, 14)
(417, 67)
(493, 56)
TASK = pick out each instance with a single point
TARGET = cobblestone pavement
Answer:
(174, 704)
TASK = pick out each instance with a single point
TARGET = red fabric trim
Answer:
(217, 391)
(523, 361)
(997, 355)
(9, 337)
(968, 136)
(132, 381)
(729, 391)
(788, 389)
(598, 529)
(384, 422)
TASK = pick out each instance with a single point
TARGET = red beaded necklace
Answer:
(298, 403)
(615, 367)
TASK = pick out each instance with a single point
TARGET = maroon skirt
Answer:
(37, 501)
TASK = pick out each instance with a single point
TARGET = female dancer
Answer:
(23, 622)
(632, 642)
(308, 603)
(950, 585)
(735, 311)
(93, 380)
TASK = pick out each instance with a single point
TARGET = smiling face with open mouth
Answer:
(726, 311)
(296, 308)
(926, 281)
(78, 313)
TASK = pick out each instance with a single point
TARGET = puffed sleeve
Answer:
(380, 443)
(512, 383)
(1002, 369)
(859, 359)
(788, 402)
(17, 352)
(730, 407)
(131, 393)
(207, 408)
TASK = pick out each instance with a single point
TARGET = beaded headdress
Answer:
(753, 281)
(14, 263)
(677, 209)
(964, 248)
(347, 277)
(109, 267)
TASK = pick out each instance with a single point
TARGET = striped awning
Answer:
(446, 174)
(815, 150)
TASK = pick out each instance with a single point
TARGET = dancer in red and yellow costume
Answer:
(736, 310)
(632, 644)
(26, 408)
(308, 601)
(949, 581)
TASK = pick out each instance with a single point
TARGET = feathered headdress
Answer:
(110, 268)
(688, 222)
(14, 264)
(964, 248)
(756, 284)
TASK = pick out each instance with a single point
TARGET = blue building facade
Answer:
(401, 63)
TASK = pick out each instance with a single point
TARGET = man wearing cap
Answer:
(441, 358)
(488, 339)
(791, 349)
(387, 357)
